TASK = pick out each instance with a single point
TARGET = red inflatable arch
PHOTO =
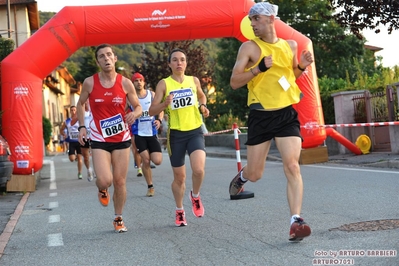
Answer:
(74, 27)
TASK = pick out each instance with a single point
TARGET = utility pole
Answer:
(8, 18)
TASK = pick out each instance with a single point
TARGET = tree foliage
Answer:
(47, 129)
(154, 66)
(45, 16)
(6, 47)
(88, 66)
(335, 50)
(227, 99)
(359, 15)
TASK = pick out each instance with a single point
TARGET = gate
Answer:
(377, 107)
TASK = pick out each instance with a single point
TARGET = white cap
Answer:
(264, 8)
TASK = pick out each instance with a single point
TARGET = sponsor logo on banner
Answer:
(21, 91)
(23, 164)
(161, 18)
(158, 13)
(22, 149)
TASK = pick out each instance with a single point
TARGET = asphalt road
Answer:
(62, 223)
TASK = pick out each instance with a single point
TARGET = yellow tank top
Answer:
(265, 89)
(183, 111)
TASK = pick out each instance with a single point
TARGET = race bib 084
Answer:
(112, 126)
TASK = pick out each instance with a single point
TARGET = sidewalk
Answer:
(374, 159)
(12, 204)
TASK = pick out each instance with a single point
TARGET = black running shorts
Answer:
(111, 146)
(266, 125)
(182, 141)
(74, 148)
(150, 143)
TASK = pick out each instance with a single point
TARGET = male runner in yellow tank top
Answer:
(184, 101)
(269, 66)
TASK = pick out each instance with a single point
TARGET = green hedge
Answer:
(47, 129)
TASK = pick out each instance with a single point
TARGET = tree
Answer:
(359, 15)
(6, 47)
(47, 129)
(227, 99)
(154, 67)
(88, 66)
(45, 16)
(335, 50)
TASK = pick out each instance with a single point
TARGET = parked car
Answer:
(6, 166)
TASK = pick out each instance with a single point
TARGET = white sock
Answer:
(293, 218)
(194, 195)
(179, 209)
(118, 215)
(242, 177)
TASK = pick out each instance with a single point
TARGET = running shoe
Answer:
(90, 174)
(153, 166)
(119, 225)
(80, 176)
(150, 192)
(299, 230)
(139, 172)
(236, 185)
(198, 208)
(180, 218)
(103, 197)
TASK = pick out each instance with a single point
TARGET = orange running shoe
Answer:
(198, 208)
(180, 218)
(150, 192)
(103, 197)
(119, 225)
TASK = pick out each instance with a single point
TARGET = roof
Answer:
(16, 2)
(33, 13)
(369, 47)
(64, 73)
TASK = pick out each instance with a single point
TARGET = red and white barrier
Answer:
(237, 145)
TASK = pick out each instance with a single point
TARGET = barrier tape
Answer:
(314, 126)
(218, 132)
(374, 124)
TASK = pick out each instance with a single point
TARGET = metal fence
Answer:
(377, 107)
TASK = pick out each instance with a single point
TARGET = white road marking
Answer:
(53, 186)
(55, 240)
(53, 204)
(54, 219)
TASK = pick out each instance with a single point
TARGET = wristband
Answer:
(202, 104)
(79, 128)
(300, 68)
(160, 121)
(262, 66)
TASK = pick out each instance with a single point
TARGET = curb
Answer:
(270, 157)
(5, 236)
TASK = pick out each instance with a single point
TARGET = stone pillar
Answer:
(344, 113)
